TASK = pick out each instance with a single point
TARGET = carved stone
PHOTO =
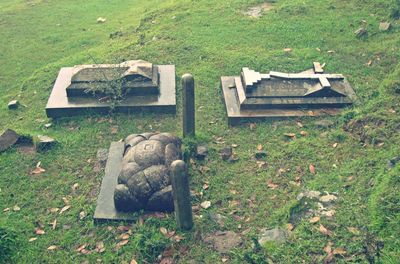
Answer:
(144, 181)
(255, 95)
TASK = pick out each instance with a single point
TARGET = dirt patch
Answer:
(258, 10)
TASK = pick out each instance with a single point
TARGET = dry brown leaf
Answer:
(303, 133)
(335, 145)
(260, 147)
(339, 251)
(6, 209)
(39, 231)
(32, 239)
(124, 236)
(328, 248)
(205, 204)
(167, 261)
(81, 247)
(252, 126)
(75, 186)
(65, 200)
(82, 215)
(299, 124)
(65, 208)
(100, 248)
(52, 247)
(272, 185)
(315, 219)
(205, 186)
(287, 50)
(164, 231)
(54, 224)
(38, 170)
(133, 261)
(311, 167)
(122, 243)
(54, 210)
(290, 135)
(290, 227)
(353, 230)
(16, 208)
(324, 230)
(178, 238)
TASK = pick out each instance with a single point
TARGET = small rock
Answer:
(44, 143)
(224, 242)
(324, 123)
(328, 198)
(384, 26)
(14, 104)
(7, 139)
(260, 154)
(201, 152)
(226, 153)
(102, 156)
(277, 235)
(361, 32)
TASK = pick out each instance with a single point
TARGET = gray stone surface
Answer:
(44, 143)
(188, 106)
(14, 104)
(145, 172)
(201, 152)
(224, 242)
(7, 139)
(277, 235)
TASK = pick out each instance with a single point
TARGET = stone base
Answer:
(237, 115)
(105, 209)
(59, 105)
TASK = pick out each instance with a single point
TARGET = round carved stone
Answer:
(144, 180)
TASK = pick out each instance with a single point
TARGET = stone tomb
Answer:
(254, 95)
(140, 86)
(137, 176)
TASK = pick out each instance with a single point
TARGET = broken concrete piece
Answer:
(224, 242)
(277, 235)
(44, 143)
(7, 139)
(14, 104)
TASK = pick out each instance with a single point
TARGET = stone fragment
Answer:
(224, 242)
(44, 143)
(201, 152)
(7, 139)
(14, 104)
(384, 26)
(102, 156)
(226, 153)
(277, 235)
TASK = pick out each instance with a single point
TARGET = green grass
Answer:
(208, 39)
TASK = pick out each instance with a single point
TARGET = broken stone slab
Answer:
(223, 242)
(384, 26)
(277, 235)
(14, 104)
(44, 143)
(8, 139)
(201, 152)
(102, 156)
(226, 153)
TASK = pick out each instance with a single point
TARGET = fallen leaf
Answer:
(32, 239)
(339, 251)
(178, 238)
(259, 147)
(224, 260)
(272, 185)
(53, 247)
(65, 208)
(80, 248)
(6, 209)
(54, 210)
(335, 145)
(324, 230)
(331, 51)
(75, 186)
(205, 204)
(100, 248)
(82, 215)
(205, 186)
(38, 169)
(290, 227)
(124, 236)
(16, 208)
(252, 126)
(122, 243)
(311, 113)
(303, 133)
(39, 231)
(312, 169)
(167, 261)
(328, 248)
(290, 135)
(54, 224)
(299, 124)
(133, 261)
(287, 50)
(315, 219)
(164, 231)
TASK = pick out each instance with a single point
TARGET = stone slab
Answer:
(236, 115)
(59, 105)
(105, 208)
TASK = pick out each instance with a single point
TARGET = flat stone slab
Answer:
(105, 208)
(60, 105)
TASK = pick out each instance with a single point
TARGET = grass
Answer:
(208, 40)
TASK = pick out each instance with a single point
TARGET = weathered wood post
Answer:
(188, 105)
(181, 193)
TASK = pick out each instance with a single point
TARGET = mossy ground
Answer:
(208, 39)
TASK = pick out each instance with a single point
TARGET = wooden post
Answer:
(181, 193)
(188, 105)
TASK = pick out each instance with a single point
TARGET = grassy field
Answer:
(208, 39)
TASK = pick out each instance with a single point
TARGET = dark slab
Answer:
(230, 87)
(60, 105)
(105, 209)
